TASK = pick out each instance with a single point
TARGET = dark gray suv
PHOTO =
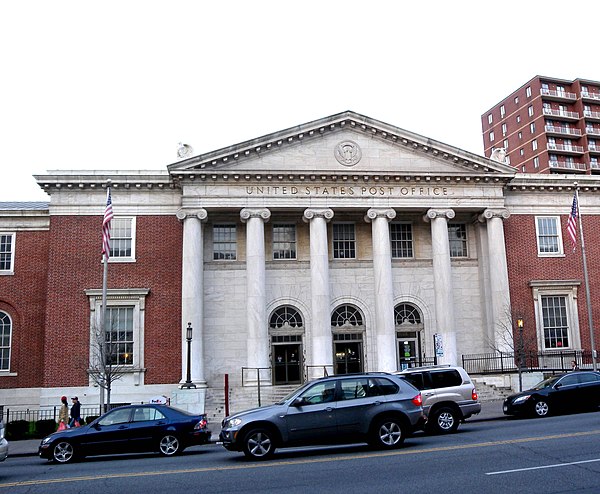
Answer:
(381, 409)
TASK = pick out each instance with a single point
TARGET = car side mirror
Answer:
(558, 385)
(298, 402)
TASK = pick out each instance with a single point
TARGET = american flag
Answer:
(108, 215)
(572, 223)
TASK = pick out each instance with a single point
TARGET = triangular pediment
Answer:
(345, 143)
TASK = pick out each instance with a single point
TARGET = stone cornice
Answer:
(96, 179)
(553, 183)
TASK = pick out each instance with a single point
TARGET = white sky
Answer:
(118, 84)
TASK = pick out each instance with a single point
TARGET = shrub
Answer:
(17, 429)
(45, 427)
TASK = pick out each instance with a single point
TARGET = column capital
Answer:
(201, 214)
(490, 213)
(311, 213)
(438, 213)
(262, 213)
(373, 213)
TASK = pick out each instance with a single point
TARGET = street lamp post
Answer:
(521, 352)
(188, 336)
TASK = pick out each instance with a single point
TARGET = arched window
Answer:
(285, 316)
(406, 313)
(346, 315)
(5, 338)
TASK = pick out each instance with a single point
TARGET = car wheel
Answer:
(63, 452)
(169, 445)
(387, 433)
(541, 408)
(259, 444)
(444, 421)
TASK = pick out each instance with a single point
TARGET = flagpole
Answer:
(588, 297)
(103, 328)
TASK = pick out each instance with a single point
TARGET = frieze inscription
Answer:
(346, 190)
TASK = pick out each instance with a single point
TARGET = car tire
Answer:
(259, 444)
(444, 421)
(63, 452)
(387, 433)
(169, 445)
(541, 408)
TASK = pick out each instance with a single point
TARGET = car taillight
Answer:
(200, 425)
(417, 400)
(474, 395)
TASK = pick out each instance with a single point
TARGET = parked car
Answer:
(449, 395)
(571, 392)
(377, 408)
(3, 443)
(128, 429)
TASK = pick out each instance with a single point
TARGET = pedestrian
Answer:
(63, 414)
(75, 413)
(574, 366)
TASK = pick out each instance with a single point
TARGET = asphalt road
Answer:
(550, 455)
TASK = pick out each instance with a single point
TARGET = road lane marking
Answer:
(556, 465)
(305, 461)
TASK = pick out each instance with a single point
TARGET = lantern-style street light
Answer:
(188, 336)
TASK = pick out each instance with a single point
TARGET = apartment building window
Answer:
(490, 119)
(344, 241)
(549, 239)
(568, 144)
(503, 129)
(551, 143)
(122, 239)
(401, 238)
(592, 144)
(530, 110)
(521, 152)
(534, 144)
(532, 127)
(560, 89)
(284, 241)
(536, 162)
(587, 110)
(224, 242)
(594, 163)
(505, 143)
(457, 236)
(520, 135)
(502, 111)
(516, 100)
(492, 136)
(528, 91)
(5, 340)
(518, 118)
(7, 253)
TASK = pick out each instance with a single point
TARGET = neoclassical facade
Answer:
(340, 245)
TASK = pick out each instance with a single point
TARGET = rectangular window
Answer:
(502, 111)
(516, 100)
(549, 238)
(344, 241)
(536, 162)
(284, 241)
(490, 119)
(534, 144)
(518, 118)
(532, 127)
(530, 110)
(401, 238)
(7, 253)
(503, 129)
(224, 242)
(528, 91)
(119, 336)
(505, 144)
(457, 237)
(554, 320)
(122, 241)
(492, 136)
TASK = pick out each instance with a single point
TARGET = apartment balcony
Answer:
(562, 131)
(587, 96)
(592, 115)
(592, 131)
(566, 166)
(551, 94)
(595, 167)
(562, 114)
(593, 149)
(565, 148)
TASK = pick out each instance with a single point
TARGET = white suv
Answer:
(449, 395)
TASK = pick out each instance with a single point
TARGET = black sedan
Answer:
(128, 429)
(564, 393)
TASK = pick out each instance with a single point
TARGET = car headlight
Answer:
(521, 399)
(233, 423)
(46, 440)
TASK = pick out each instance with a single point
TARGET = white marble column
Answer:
(385, 328)
(192, 293)
(256, 296)
(442, 283)
(498, 273)
(322, 341)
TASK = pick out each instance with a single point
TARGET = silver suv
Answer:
(449, 396)
(378, 408)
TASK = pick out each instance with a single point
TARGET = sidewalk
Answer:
(490, 410)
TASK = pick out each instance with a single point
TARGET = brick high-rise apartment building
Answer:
(548, 125)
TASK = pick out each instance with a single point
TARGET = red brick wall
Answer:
(76, 265)
(524, 265)
(22, 296)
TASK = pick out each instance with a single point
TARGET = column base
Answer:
(189, 399)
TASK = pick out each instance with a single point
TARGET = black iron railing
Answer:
(505, 363)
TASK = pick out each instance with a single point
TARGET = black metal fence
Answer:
(33, 415)
(503, 363)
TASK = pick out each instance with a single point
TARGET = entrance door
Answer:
(286, 364)
(407, 353)
(348, 357)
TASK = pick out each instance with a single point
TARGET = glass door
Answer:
(286, 364)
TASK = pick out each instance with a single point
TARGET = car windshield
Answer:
(546, 383)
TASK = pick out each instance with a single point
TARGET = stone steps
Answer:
(490, 388)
